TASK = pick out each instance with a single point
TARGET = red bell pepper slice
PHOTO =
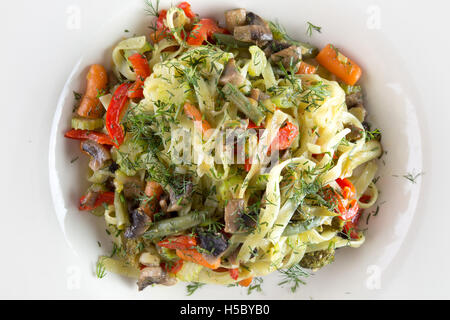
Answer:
(203, 30)
(104, 197)
(351, 226)
(347, 204)
(142, 70)
(173, 268)
(234, 273)
(179, 242)
(187, 9)
(286, 136)
(116, 108)
(98, 137)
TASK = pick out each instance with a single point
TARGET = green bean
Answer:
(174, 225)
(252, 111)
(121, 210)
(230, 41)
(296, 228)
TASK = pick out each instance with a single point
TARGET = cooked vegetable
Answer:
(175, 225)
(178, 242)
(96, 82)
(142, 70)
(338, 64)
(280, 34)
(98, 153)
(139, 224)
(153, 191)
(214, 243)
(289, 57)
(252, 33)
(193, 113)
(87, 124)
(98, 137)
(251, 110)
(299, 227)
(192, 255)
(235, 18)
(114, 114)
(305, 68)
(246, 282)
(229, 41)
(202, 31)
(95, 199)
(122, 217)
(285, 137)
(317, 259)
(231, 75)
(152, 275)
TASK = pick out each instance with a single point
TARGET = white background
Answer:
(39, 48)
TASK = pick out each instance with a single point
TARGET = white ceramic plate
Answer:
(394, 106)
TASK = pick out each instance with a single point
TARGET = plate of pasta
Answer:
(210, 146)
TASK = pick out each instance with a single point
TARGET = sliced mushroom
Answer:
(253, 19)
(235, 18)
(253, 33)
(98, 153)
(353, 99)
(214, 243)
(139, 224)
(178, 199)
(354, 134)
(289, 57)
(231, 75)
(236, 219)
(163, 202)
(133, 187)
(154, 275)
(275, 46)
(258, 95)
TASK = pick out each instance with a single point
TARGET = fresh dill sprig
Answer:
(373, 135)
(152, 9)
(192, 287)
(293, 277)
(100, 269)
(255, 285)
(411, 176)
(312, 28)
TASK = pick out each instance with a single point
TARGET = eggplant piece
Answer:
(235, 18)
(231, 75)
(98, 153)
(139, 224)
(214, 243)
(154, 275)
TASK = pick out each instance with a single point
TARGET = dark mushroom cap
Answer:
(214, 243)
(139, 224)
(98, 153)
(155, 274)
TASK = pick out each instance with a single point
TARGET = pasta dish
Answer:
(219, 154)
